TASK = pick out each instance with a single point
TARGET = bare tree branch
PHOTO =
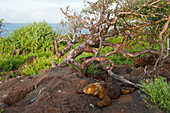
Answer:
(56, 49)
(92, 59)
(76, 17)
(105, 26)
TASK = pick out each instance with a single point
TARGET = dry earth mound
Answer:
(58, 90)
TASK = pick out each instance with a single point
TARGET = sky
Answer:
(28, 11)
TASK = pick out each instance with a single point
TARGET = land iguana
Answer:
(106, 92)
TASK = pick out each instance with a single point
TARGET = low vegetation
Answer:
(32, 40)
(36, 37)
(157, 93)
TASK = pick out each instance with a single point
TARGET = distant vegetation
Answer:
(34, 37)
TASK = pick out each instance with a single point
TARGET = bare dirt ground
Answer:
(58, 89)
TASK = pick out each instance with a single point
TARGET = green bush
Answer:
(157, 93)
(117, 58)
(9, 62)
(33, 38)
(36, 66)
(42, 62)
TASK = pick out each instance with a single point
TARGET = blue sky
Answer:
(24, 11)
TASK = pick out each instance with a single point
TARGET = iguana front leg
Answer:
(106, 100)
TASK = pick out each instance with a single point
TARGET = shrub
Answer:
(33, 38)
(157, 93)
(9, 62)
(42, 62)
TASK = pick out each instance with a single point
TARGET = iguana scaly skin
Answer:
(105, 92)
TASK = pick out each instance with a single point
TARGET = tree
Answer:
(135, 21)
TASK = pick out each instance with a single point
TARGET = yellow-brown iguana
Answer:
(105, 92)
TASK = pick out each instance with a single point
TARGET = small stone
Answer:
(59, 91)
(64, 92)
(91, 105)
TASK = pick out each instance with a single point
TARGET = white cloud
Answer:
(38, 15)
(3, 8)
(90, 0)
(18, 10)
(23, 11)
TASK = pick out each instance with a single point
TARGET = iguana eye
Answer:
(89, 89)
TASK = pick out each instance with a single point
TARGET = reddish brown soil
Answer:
(59, 94)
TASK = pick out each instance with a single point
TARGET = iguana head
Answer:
(92, 89)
